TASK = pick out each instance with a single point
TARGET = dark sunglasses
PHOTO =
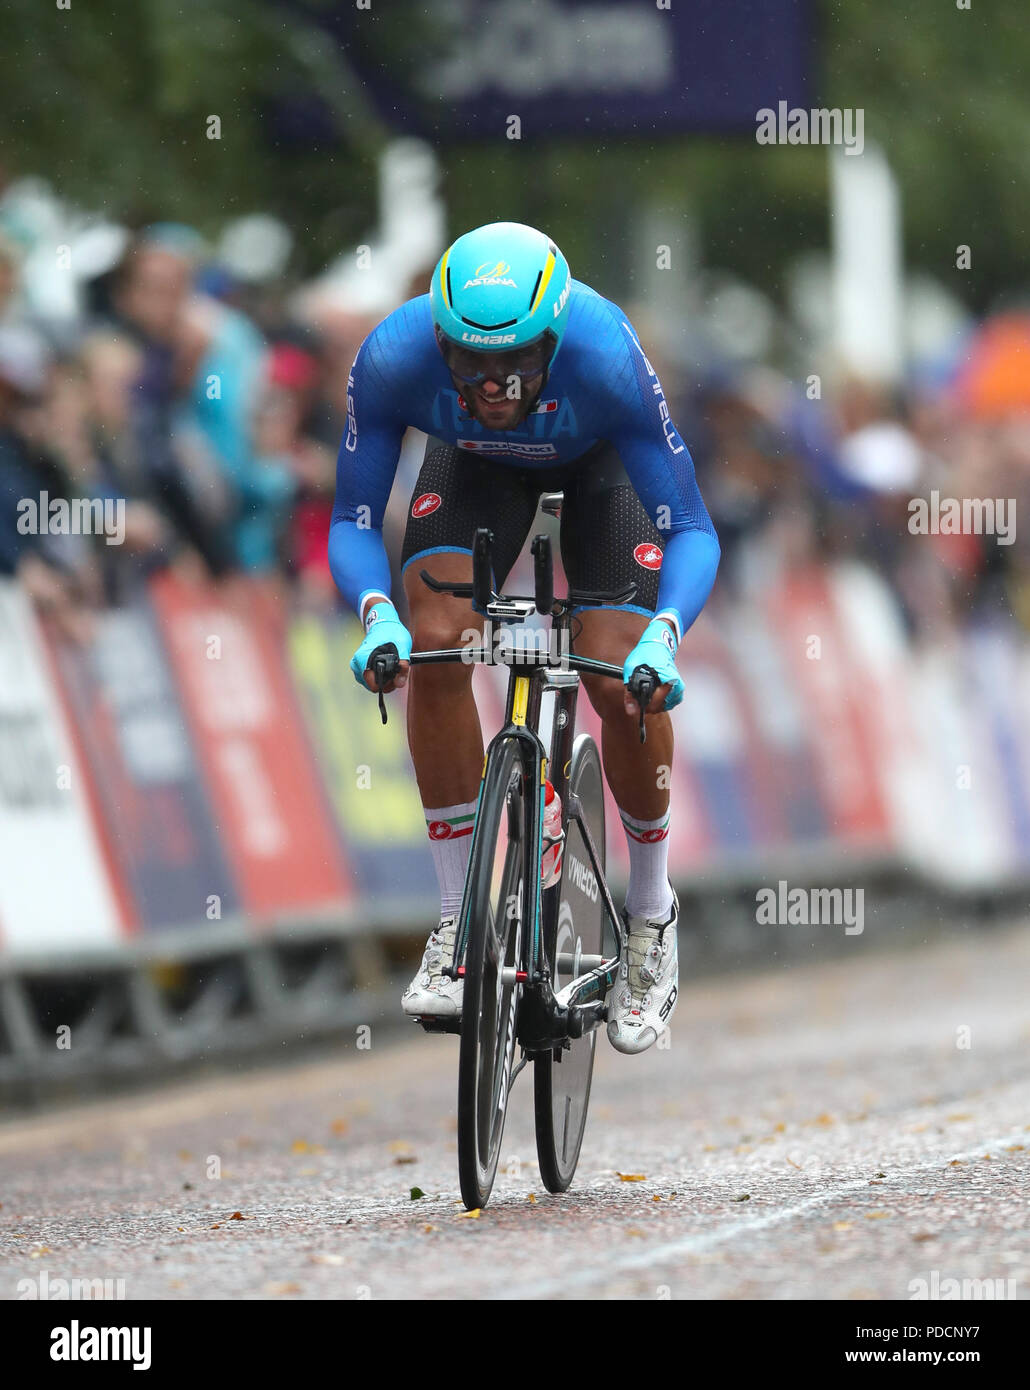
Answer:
(473, 368)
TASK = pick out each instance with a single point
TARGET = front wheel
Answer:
(496, 919)
(562, 1077)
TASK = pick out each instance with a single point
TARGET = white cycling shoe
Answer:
(432, 994)
(643, 997)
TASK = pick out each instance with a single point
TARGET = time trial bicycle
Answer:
(536, 963)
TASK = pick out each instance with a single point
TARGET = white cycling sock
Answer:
(450, 839)
(648, 894)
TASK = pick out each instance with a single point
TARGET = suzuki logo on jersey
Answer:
(492, 275)
(428, 502)
(509, 446)
(648, 555)
(490, 339)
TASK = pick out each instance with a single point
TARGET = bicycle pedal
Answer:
(439, 1025)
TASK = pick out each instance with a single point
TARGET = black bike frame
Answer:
(544, 1023)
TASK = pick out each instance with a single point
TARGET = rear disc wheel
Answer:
(561, 1079)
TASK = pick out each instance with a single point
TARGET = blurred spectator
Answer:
(149, 304)
(284, 432)
(207, 392)
(45, 565)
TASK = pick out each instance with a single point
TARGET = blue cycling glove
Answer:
(657, 649)
(382, 625)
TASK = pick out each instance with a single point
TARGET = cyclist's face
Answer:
(498, 388)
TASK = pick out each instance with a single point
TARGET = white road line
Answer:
(651, 1256)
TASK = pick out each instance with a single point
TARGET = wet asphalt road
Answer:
(812, 1132)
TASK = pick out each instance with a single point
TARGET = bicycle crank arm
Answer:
(583, 1018)
(582, 992)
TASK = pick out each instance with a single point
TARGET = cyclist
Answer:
(527, 381)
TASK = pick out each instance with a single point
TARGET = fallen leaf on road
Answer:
(957, 1119)
(634, 1232)
(274, 1290)
(631, 1177)
(778, 1129)
(843, 1225)
(399, 1146)
(185, 1155)
(216, 1227)
(957, 1163)
(416, 1193)
(473, 1215)
(238, 1216)
(531, 1197)
(405, 1158)
(338, 1127)
(923, 1235)
(877, 1215)
(427, 1228)
(744, 1197)
(656, 1198)
(327, 1259)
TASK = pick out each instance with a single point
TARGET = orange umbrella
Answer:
(995, 379)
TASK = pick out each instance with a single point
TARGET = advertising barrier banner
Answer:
(56, 893)
(134, 738)
(207, 756)
(273, 815)
(364, 764)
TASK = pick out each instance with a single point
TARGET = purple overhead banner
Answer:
(580, 66)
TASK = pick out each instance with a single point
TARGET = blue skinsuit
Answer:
(605, 390)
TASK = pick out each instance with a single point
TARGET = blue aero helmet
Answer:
(501, 288)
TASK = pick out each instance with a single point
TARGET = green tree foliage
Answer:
(110, 100)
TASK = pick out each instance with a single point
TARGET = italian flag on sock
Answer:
(451, 829)
(646, 832)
